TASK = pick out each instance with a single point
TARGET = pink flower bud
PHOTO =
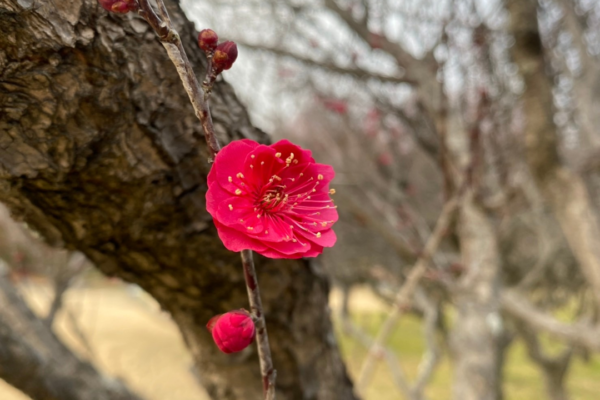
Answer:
(208, 39)
(119, 6)
(232, 331)
(225, 54)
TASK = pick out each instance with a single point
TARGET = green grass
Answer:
(522, 380)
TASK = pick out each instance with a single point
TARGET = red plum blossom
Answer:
(274, 200)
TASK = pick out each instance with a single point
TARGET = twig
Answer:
(329, 66)
(429, 361)
(172, 43)
(432, 355)
(405, 293)
(199, 96)
(62, 281)
(262, 338)
(364, 339)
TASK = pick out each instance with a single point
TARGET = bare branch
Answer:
(433, 352)
(327, 66)
(405, 293)
(394, 365)
(172, 43)
(579, 333)
(413, 67)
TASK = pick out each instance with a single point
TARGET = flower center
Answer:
(273, 200)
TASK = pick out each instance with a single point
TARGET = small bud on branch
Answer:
(225, 55)
(207, 40)
(232, 331)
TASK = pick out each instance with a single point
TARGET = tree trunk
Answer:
(475, 337)
(101, 152)
(564, 190)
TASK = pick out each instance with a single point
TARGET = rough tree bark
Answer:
(100, 151)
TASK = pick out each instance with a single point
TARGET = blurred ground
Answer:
(132, 339)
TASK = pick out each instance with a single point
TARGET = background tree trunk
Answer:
(563, 189)
(101, 152)
(474, 338)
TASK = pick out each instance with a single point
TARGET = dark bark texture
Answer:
(101, 152)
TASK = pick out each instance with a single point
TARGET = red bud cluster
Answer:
(232, 331)
(119, 6)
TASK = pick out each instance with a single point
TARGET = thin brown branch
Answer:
(325, 65)
(403, 297)
(432, 355)
(172, 43)
(262, 338)
(355, 332)
(62, 281)
(362, 30)
(414, 68)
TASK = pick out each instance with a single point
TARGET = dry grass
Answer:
(130, 337)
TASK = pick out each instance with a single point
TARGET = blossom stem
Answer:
(199, 97)
(172, 43)
(262, 338)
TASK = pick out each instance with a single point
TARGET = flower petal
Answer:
(272, 253)
(285, 147)
(237, 241)
(326, 238)
(228, 164)
(238, 212)
(260, 165)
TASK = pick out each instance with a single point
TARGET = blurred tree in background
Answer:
(411, 100)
